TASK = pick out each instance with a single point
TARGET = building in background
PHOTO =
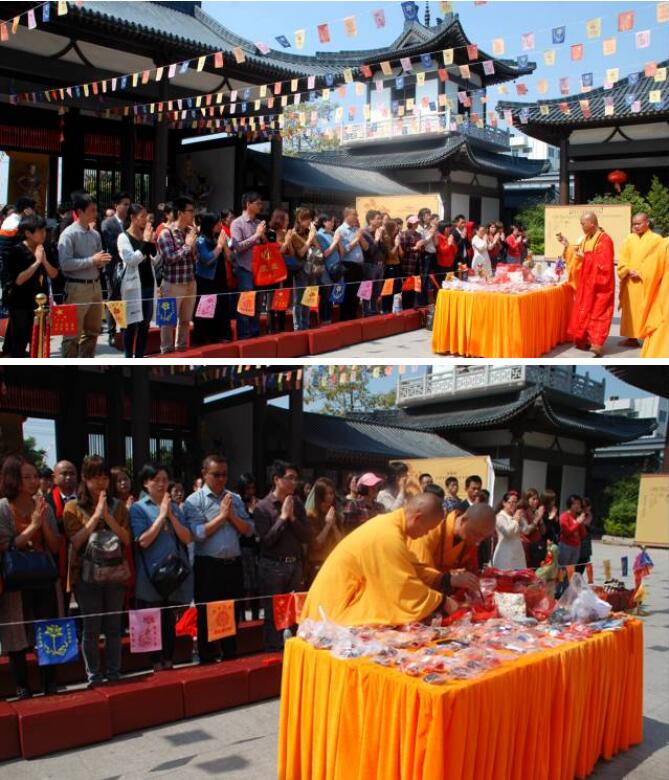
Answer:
(543, 188)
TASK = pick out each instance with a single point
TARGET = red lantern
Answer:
(617, 178)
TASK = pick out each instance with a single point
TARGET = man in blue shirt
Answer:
(351, 246)
(217, 518)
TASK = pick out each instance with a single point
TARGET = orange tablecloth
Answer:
(500, 325)
(547, 716)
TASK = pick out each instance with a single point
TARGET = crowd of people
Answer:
(134, 255)
(115, 541)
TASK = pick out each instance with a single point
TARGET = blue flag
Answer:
(633, 79)
(338, 293)
(46, 12)
(399, 82)
(166, 312)
(329, 79)
(522, 60)
(56, 641)
(247, 93)
(410, 11)
(586, 79)
(426, 59)
(558, 34)
(283, 41)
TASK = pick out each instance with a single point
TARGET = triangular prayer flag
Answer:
(56, 641)
(220, 620)
(247, 303)
(145, 633)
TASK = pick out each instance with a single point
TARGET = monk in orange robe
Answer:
(655, 316)
(372, 578)
(591, 273)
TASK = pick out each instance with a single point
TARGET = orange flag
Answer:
(299, 599)
(247, 303)
(220, 620)
(417, 283)
(388, 287)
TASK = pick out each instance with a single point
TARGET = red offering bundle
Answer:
(511, 581)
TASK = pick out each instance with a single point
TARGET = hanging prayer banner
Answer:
(625, 21)
(263, 48)
(593, 28)
(662, 12)
(388, 287)
(247, 303)
(386, 68)
(119, 311)
(472, 52)
(300, 37)
(609, 46)
(283, 608)
(497, 47)
(280, 299)
(64, 320)
(410, 11)
(218, 59)
(62, 7)
(310, 297)
(549, 57)
(238, 53)
(489, 67)
(323, 33)
(166, 312)
(350, 26)
(145, 634)
(527, 41)
(300, 598)
(577, 52)
(558, 34)
(365, 291)
(338, 293)
(379, 18)
(56, 641)
(220, 620)
(642, 39)
(408, 284)
(206, 307)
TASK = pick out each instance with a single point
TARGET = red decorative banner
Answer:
(64, 320)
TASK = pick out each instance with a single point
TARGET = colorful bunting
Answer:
(145, 633)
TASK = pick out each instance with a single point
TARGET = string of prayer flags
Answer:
(56, 641)
(593, 28)
(145, 633)
(624, 565)
(119, 311)
(220, 620)
(286, 609)
(187, 623)
(607, 569)
(338, 293)
(64, 320)
(388, 287)
(247, 303)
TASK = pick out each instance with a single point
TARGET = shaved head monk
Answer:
(452, 547)
(371, 577)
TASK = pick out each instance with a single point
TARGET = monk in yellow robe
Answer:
(371, 577)
(452, 547)
(655, 319)
(637, 249)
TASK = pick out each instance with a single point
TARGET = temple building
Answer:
(542, 423)
(74, 120)
(622, 127)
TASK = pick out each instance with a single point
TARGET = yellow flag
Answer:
(654, 96)
(300, 38)
(239, 55)
(294, 84)
(612, 75)
(420, 79)
(118, 310)
(661, 74)
(263, 91)
(350, 26)
(325, 94)
(662, 12)
(607, 569)
(498, 47)
(348, 75)
(62, 7)
(593, 28)
(367, 111)
(448, 56)
(386, 68)
(388, 287)
(200, 64)
(549, 57)
(609, 46)
(359, 88)
(310, 297)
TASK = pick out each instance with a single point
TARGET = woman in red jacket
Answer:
(572, 531)
(446, 250)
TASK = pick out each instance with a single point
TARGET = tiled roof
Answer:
(313, 177)
(621, 92)
(429, 154)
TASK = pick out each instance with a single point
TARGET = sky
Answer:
(263, 21)
(43, 430)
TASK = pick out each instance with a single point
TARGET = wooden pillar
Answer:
(160, 153)
(115, 432)
(259, 452)
(564, 171)
(296, 426)
(128, 157)
(52, 187)
(240, 172)
(516, 462)
(73, 153)
(71, 430)
(140, 424)
(275, 185)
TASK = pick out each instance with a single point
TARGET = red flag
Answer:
(280, 299)
(472, 52)
(625, 21)
(187, 624)
(218, 59)
(323, 33)
(283, 607)
(408, 284)
(366, 71)
(299, 599)
(64, 320)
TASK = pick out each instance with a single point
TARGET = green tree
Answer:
(658, 204)
(298, 137)
(32, 454)
(623, 499)
(341, 398)
(629, 194)
(532, 219)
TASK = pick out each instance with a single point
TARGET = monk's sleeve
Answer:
(624, 259)
(391, 576)
(604, 260)
(574, 265)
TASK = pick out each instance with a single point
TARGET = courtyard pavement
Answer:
(242, 743)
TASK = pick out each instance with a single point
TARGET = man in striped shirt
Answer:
(177, 250)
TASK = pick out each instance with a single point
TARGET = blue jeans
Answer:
(247, 327)
(428, 263)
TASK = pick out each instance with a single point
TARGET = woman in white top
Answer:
(481, 244)
(136, 248)
(509, 552)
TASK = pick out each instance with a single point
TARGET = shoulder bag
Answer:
(103, 561)
(169, 573)
(27, 569)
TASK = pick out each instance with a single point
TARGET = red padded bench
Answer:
(264, 672)
(10, 747)
(213, 687)
(377, 327)
(250, 637)
(261, 347)
(325, 339)
(51, 723)
(292, 345)
(140, 703)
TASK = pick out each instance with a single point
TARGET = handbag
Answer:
(169, 573)
(314, 265)
(103, 562)
(27, 569)
(268, 265)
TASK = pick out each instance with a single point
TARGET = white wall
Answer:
(534, 474)
(489, 210)
(573, 481)
(459, 204)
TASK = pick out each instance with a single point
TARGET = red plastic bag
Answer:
(268, 265)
